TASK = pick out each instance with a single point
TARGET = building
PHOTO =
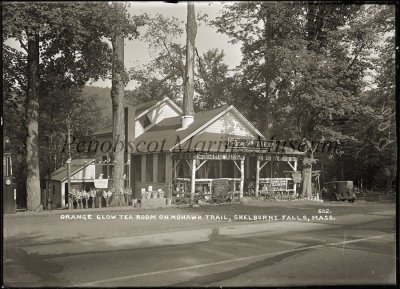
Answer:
(82, 176)
(220, 145)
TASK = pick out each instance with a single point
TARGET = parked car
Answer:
(339, 191)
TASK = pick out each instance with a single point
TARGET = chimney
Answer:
(187, 120)
(188, 91)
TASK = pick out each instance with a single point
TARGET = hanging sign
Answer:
(100, 183)
(219, 156)
(220, 186)
(268, 157)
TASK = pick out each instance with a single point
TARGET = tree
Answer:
(263, 29)
(212, 83)
(164, 75)
(303, 69)
(60, 35)
(117, 97)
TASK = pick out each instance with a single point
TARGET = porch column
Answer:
(241, 178)
(192, 188)
(295, 185)
(257, 178)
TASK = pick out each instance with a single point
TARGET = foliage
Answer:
(305, 72)
(212, 81)
(72, 51)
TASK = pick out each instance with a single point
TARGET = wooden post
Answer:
(192, 189)
(257, 178)
(143, 169)
(295, 185)
(241, 178)
(70, 201)
(155, 168)
(129, 172)
(168, 168)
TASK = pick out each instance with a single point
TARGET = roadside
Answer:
(44, 249)
(128, 221)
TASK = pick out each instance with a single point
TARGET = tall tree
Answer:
(212, 80)
(32, 119)
(304, 66)
(53, 35)
(117, 98)
(164, 74)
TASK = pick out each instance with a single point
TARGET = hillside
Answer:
(102, 97)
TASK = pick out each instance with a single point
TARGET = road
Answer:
(357, 248)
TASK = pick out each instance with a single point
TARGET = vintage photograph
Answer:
(199, 144)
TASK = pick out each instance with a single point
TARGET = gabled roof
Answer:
(140, 110)
(76, 166)
(168, 132)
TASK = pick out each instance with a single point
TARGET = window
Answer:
(149, 168)
(161, 168)
(145, 121)
(137, 167)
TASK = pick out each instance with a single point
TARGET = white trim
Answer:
(247, 121)
(199, 166)
(236, 165)
(291, 165)
(165, 99)
(77, 171)
(263, 165)
(204, 126)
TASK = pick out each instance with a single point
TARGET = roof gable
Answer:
(145, 109)
(229, 124)
(220, 124)
(76, 166)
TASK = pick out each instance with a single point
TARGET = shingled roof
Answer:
(76, 165)
(168, 132)
(139, 108)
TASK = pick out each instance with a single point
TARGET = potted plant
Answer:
(107, 195)
(128, 195)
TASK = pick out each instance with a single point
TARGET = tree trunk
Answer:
(117, 98)
(307, 170)
(191, 30)
(32, 121)
(306, 187)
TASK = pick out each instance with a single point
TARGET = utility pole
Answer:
(70, 203)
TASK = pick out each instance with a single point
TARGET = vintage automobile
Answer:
(339, 191)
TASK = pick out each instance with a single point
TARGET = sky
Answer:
(137, 51)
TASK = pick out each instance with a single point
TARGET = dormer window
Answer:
(145, 121)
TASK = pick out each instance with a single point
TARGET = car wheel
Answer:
(351, 201)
